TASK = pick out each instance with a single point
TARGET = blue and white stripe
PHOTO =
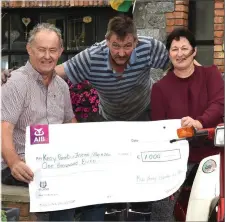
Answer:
(120, 98)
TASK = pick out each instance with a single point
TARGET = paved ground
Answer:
(163, 210)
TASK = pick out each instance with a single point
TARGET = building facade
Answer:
(84, 22)
(205, 18)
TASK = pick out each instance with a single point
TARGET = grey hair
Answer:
(45, 26)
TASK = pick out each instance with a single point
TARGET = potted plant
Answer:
(84, 99)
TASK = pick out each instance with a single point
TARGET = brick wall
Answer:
(17, 197)
(219, 34)
(53, 3)
(178, 18)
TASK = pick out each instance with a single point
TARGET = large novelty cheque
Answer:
(92, 163)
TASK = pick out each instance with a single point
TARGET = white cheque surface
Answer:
(92, 163)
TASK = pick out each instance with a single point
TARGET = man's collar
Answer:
(133, 59)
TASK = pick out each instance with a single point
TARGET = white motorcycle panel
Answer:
(205, 188)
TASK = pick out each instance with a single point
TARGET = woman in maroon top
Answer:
(194, 94)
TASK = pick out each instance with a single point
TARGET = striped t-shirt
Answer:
(122, 97)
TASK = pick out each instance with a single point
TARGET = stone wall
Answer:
(150, 18)
(157, 18)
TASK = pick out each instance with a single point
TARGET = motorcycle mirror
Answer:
(185, 132)
(219, 136)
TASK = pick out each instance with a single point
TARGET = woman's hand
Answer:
(187, 121)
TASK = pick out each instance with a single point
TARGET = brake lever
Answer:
(176, 140)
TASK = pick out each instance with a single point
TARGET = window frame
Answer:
(96, 12)
(192, 24)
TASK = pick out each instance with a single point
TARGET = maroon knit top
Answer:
(200, 96)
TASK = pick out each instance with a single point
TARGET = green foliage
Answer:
(3, 216)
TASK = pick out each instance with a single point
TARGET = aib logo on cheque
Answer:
(39, 134)
(43, 184)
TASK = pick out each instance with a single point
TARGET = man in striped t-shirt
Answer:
(119, 69)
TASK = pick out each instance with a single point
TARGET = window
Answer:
(20, 25)
(201, 22)
(102, 22)
(80, 32)
(18, 60)
(4, 62)
(15, 28)
(56, 19)
(5, 31)
(80, 27)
